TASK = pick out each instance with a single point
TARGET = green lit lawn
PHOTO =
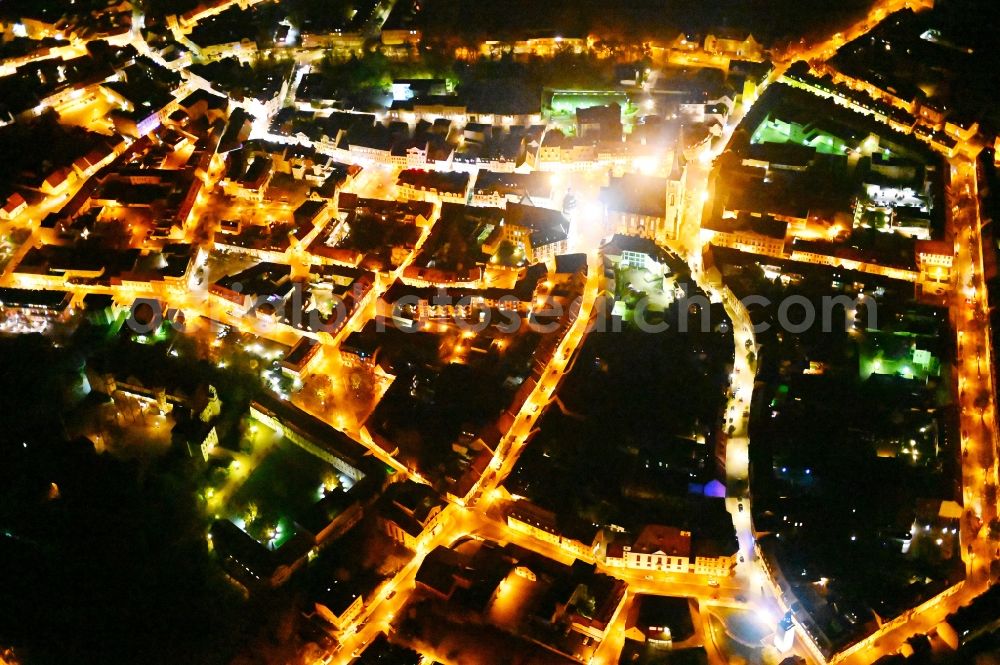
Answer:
(823, 143)
(9, 244)
(635, 284)
(569, 102)
(888, 354)
(283, 487)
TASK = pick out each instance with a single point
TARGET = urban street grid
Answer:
(408, 331)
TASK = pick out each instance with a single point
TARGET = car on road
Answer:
(740, 504)
(391, 595)
(714, 584)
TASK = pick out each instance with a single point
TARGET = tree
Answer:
(362, 385)
(508, 254)
(331, 481)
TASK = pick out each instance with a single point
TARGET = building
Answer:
(420, 185)
(711, 550)
(308, 218)
(58, 181)
(659, 621)
(440, 572)
(633, 252)
(407, 510)
(144, 93)
(183, 23)
(600, 123)
(431, 108)
(100, 308)
(255, 563)
(534, 521)
(237, 130)
(539, 233)
(852, 258)
(643, 206)
(747, 233)
(300, 357)
(246, 560)
(265, 242)
(735, 46)
(201, 103)
(335, 40)
(715, 556)
(318, 438)
(542, 46)
(659, 548)
(34, 308)
(339, 604)
(935, 261)
(581, 540)
(978, 618)
(247, 179)
(551, 149)
(401, 37)
(98, 157)
(13, 207)
(711, 111)
(409, 306)
(495, 188)
(389, 232)
(805, 129)
(594, 601)
(263, 286)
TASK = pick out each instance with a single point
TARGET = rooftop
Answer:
(547, 225)
(667, 540)
(530, 185)
(745, 223)
(439, 181)
(636, 194)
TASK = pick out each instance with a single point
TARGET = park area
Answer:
(283, 485)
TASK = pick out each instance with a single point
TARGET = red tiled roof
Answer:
(667, 539)
(14, 201)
